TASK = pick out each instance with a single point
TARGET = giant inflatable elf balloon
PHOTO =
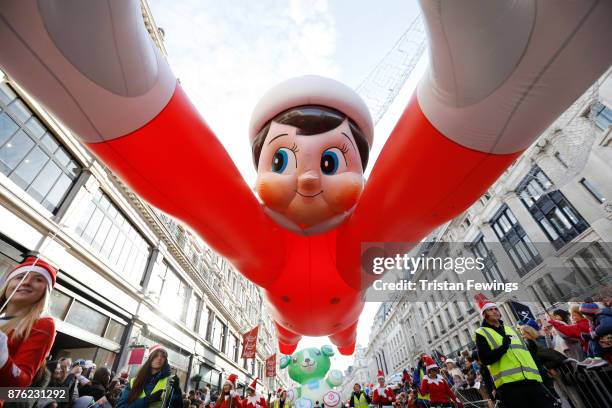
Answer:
(500, 73)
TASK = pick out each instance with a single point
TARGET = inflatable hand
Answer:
(335, 377)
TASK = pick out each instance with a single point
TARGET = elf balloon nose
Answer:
(309, 183)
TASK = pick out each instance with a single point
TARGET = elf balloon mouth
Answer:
(309, 196)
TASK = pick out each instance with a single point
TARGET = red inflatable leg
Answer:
(287, 340)
(345, 340)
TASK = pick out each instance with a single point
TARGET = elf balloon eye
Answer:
(280, 160)
(330, 162)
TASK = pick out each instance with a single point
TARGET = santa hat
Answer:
(429, 363)
(253, 384)
(156, 347)
(231, 380)
(311, 90)
(279, 391)
(483, 303)
(380, 375)
(35, 265)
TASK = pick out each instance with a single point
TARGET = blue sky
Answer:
(228, 53)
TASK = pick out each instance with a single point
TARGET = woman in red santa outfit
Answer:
(26, 336)
(254, 400)
(383, 395)
(229, 398)
(440, 394)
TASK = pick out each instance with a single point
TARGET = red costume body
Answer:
(30, 354)
(438, 390)
(236, 402)
(383, 396)
(257, 401)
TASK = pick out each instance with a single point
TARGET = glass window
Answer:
(203, 321)
(114, 238)
(192, 309)
(30, 156)
(219, 333)
(114, 331)
(593, 190)
(515, 242)
(58, 305)
(556, 216)
(87, 318)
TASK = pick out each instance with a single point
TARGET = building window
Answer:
(219, 334)
(601, 115)
(114, 238)
(87, 318)
(490, 271)
(556, 216)
(515, 241)
(192, 310)
(593, 190)
(31, 156)
(234, 347)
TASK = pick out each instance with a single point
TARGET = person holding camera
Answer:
(515, 374)
(149, 387)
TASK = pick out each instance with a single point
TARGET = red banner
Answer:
(271, 366)
(136, 356)
(249, 343)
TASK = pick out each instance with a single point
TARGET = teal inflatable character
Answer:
(309, 367)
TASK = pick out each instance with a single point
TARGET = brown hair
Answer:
(312, 120)
(141, 377)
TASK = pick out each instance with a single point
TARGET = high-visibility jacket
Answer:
(160, 385)
(360, 402)
(516, 364)
(420, 396)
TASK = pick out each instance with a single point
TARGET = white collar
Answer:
(436, 380)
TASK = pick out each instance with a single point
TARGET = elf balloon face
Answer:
(310, 178)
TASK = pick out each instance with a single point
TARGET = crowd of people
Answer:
(517, 365)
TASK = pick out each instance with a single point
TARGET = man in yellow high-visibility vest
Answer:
(516, 376)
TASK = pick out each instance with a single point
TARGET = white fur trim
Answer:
(486, 306)
(312, 90)
(429, 367)
(3, 349)
(32, 268)
(436, 380)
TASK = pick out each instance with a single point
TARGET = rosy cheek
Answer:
(275, 191)
(342, 193)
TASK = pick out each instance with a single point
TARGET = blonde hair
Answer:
(22, 325)
(530, 331)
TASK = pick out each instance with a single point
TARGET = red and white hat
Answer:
(253, 384)
(311, 90)
(156, 347)
(380, 375)
(231, 380)
(429, 363)
(279, 391)
(483, 303)
(35, 265)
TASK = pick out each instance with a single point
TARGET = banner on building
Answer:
(521, 312)
(136, 355)
(271, 366)
(249, 343)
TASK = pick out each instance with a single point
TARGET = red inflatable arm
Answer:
(177, 164)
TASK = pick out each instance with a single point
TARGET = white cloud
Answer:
(227, 55)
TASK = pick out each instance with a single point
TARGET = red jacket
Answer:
(383, 396)
(573, 331)
(438, 390)
(28, 355)
(258, 401)
(224, 402)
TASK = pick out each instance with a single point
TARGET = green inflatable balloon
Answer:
(309, 367)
